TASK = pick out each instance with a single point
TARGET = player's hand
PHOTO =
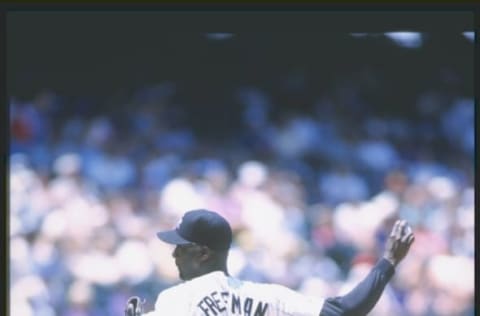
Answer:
(134, 306)
(399, 242)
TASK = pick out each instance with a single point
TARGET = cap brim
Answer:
(172, 237)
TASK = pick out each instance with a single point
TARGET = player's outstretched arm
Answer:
(365, 295)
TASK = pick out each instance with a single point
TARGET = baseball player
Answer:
(202, 240)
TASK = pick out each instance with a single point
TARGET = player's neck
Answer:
(216, 268)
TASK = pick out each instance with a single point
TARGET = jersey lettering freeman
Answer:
(226, 302)
(216, 294)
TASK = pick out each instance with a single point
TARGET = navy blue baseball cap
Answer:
(202, 227)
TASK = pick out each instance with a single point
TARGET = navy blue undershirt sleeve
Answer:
(364, 296)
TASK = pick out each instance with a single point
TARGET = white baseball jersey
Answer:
(216, 294)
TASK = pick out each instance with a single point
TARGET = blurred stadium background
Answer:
(310, 143)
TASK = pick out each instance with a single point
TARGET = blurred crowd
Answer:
(311, 195)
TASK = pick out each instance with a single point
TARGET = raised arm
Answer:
(365, 295)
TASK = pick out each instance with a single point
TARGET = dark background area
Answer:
(104, 53)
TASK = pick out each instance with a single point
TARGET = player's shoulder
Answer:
(186, 287)
(167, 297)
(262, 285)
(271, 290)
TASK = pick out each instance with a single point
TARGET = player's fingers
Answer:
(129, 310)
(139, 308)
(407, 242)
(395, 228)
(399, 230)
(392, 232)
(407, 230)
(411, 239)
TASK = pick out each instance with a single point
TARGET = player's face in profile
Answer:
(186, 259)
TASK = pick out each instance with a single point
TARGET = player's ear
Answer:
(205, 253)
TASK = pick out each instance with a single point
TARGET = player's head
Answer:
(202, 240)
